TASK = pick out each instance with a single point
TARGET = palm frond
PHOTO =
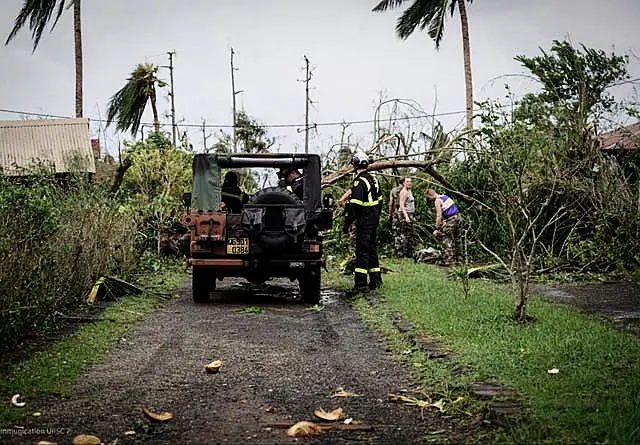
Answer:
(436, 24)
(38, 13)
(388, 4)
(127, 105)
(419, 14)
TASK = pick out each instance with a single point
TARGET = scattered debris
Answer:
(159, 417)
(354, 426)
(14, 401)
(109, 288)
(418, 402)
(46, 442)
(269, 409)
(304, 428)
(553, 371)
(130, 433)
(342, 393)
(336, 414)
(213, 367)
(427, 255)
(86, 439)
(36, 414)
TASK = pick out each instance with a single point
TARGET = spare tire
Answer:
(274, 199)
(274, 195)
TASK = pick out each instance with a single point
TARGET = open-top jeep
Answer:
(274, 235)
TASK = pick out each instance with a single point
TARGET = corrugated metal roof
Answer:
(625, 138)
(61, 144)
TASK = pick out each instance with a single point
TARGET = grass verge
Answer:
(53, 371)
(594, 397)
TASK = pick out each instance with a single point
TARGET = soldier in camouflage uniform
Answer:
(395, 218)
(406, 214)
(447, 219)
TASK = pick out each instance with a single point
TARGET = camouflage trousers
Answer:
(403, 235)
(450, 234)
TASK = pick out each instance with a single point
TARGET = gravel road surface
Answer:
(279, 366)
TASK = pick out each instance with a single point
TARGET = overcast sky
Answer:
(354, 53)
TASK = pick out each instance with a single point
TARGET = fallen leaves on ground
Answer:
(336, 414)
(86, 439)
(213, 367)
(304, 428)
(157, 417)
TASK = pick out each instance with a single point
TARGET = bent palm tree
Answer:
(128, 104)
(432, 14)
(39, 13)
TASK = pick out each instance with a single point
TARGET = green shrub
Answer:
(56, 238)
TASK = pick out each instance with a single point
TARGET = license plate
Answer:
(237, 246)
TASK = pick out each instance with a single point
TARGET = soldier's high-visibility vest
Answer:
(373, 191)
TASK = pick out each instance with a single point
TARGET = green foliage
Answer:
(154, 184)
(421, 14)
(251, 310)
(576, 79)
(56, 239)
(251, 137)
(38, 14)
(544, 155)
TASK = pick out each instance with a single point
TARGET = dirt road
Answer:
(279, 366)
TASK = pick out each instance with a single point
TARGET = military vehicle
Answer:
(275, 234)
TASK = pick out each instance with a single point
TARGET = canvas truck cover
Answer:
(206, 191)
(205, 194)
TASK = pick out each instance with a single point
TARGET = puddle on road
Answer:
(276, 290)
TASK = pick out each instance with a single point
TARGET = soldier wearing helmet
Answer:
(364, 208)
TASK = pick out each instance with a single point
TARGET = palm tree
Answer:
(128, 104)
(39, 13)
(432, 14)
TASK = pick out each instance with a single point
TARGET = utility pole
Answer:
(173, 106)
(204, 135)
(233, 96)
(306, 107)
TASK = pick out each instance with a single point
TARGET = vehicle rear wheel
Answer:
(203, 281)
(309, 282)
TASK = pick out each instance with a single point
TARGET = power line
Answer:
(320, 124)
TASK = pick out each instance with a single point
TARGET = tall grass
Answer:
(56, 239)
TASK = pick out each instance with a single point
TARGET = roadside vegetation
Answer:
(573, 377)
(52, 370)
